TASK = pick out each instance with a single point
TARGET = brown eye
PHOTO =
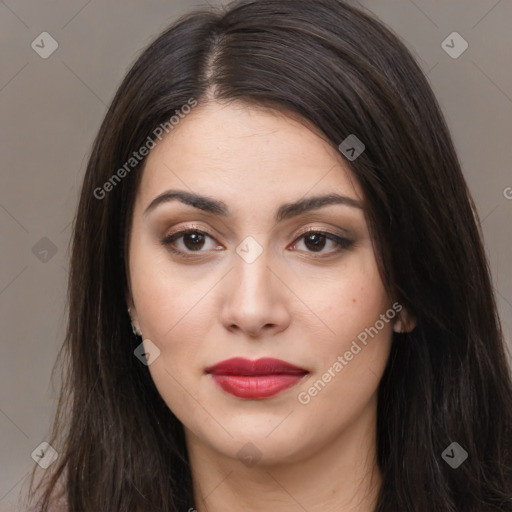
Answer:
(188, 241)
(316, 241)
(193, 241)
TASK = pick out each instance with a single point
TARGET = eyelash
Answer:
(342, 243)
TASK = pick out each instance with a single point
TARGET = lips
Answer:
(258, 379)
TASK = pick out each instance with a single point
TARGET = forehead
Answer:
(239, 152)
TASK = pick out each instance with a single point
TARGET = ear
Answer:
(405, 322)
(129, 302)
(132, 312)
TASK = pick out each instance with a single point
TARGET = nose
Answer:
(255, 298)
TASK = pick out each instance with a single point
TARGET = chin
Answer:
(260, 442)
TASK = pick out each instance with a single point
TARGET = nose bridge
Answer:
(252, 266)
(252, 299)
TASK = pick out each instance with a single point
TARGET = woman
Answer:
(278, 293)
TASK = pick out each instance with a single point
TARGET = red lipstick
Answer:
(255, 379)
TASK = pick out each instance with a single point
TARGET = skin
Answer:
(294, 303)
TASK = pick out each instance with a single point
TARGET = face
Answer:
(253, 278)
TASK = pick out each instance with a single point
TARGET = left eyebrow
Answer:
(285, 211)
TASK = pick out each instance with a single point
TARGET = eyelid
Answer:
(322, 229)
(188, 227)
(307, 229)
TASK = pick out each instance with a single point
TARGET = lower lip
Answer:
(257, 386)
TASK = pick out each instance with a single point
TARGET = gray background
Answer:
(51, 109)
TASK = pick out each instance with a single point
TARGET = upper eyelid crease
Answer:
(285, 211)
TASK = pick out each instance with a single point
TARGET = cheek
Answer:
(175, 314)
(166, 295)
(349, 300)
(174, 317)
(348, 371)
(351, 307)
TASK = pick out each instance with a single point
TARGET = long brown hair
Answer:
(120, 447)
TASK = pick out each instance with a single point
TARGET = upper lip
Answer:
(263, 366)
